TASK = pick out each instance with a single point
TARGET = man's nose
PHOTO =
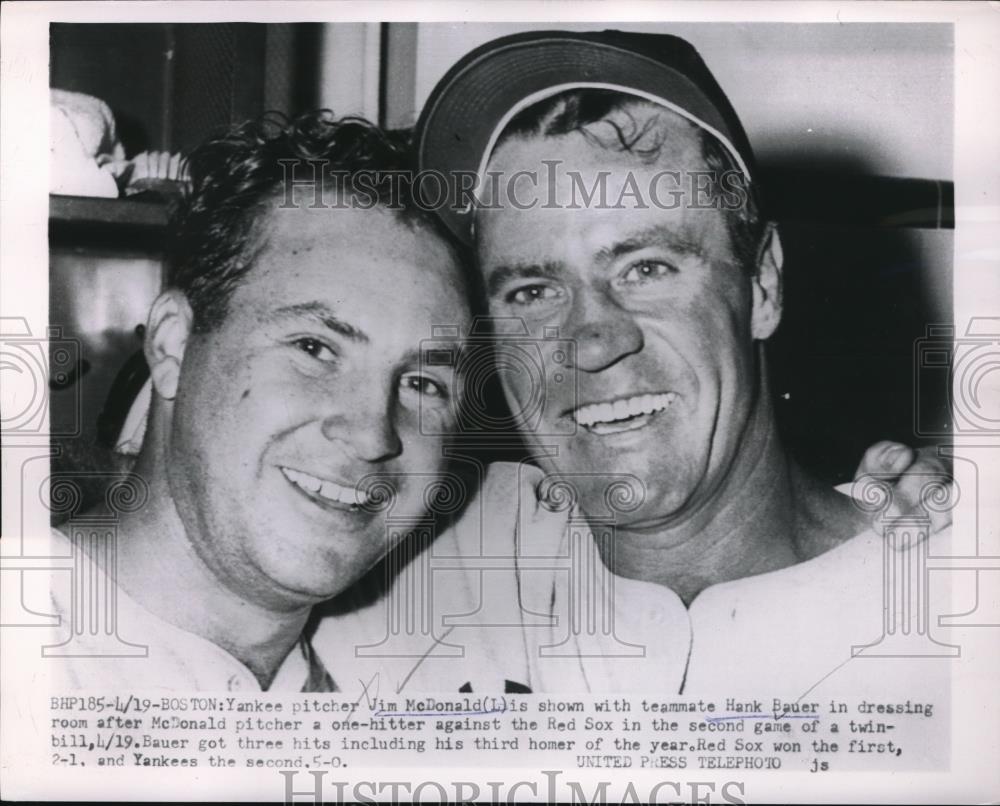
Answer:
(604, 333)
(367, 431)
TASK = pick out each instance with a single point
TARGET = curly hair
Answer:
(237, 177)
(574, 110)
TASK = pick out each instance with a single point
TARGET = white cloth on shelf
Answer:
(82, 129)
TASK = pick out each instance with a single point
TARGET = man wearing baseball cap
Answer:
(616, 221)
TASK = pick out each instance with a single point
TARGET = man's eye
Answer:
(423, 385)
(645, 271)
(531, 294)
(316, 349)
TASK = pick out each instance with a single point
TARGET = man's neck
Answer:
(766, 515)
(160, 569)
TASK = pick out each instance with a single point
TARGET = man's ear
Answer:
(170, 321)
(766, 285)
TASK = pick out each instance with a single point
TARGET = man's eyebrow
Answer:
(503, 274)
(321, 313)
(678, 242)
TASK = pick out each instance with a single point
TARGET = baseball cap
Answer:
(470, 107)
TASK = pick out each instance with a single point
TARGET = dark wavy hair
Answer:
(573, 110)
(237, 177)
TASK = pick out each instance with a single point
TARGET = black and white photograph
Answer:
(545, 402)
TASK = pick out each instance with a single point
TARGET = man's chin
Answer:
(307, 587)
(622, 491)
(327, 569)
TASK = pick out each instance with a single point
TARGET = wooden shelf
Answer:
(127, 224)
(114, 212)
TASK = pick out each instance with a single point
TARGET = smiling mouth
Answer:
(326, 492)
(624, 414)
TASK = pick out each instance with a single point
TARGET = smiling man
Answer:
(666, 316)
(617, 210)
(286, 380)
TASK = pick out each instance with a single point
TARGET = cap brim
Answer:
(470, 105)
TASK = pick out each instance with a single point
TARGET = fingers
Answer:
(885, 459)
(911, 491)
(914, 475)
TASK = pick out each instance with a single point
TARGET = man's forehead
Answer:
(638, 132)
(344, 222)
(353, 255)
(539, 173)
(631, 206)
(544, 182)
(600, 240)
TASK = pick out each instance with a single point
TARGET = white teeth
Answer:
(311, 483)
(597, 413)
(325, 488)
